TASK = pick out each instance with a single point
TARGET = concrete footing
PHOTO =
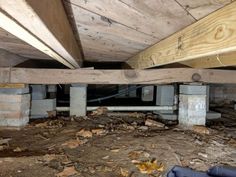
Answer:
(78, 100)
(40, 106)
(211, 115)
(14, 107)
(192, 105)
(165, 96)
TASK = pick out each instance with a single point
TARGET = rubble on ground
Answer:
(128, 146)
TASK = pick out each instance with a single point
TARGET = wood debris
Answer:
(153, 123)
(99, 131)
(99, 111)
(84, 133)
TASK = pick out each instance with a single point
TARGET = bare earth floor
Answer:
(111, 146)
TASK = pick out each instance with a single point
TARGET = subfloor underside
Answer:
(110, 146)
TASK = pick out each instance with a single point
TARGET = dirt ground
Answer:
(113, 146)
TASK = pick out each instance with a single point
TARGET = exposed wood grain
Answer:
(212, 35)
(47, 25)
(8, 59)
(154, 17)
(84, 76)
(14, 45)
(222, 60)
(201, 8)
(12, 85)
(106, 37)
(124, 26)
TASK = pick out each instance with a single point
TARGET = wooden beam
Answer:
(8, 59)
(87, 76)
(44, 25)
(211, 36)
(221, 60)
(12, 85)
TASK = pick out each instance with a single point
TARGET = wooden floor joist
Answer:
(44, 25)
(221, 60)
(211, 36)
(8, 59)
(87, 76)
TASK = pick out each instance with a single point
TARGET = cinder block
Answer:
(78, 101)
(52, 88)
(192, 110)
(165, 95)
(172, 117)
(5, 98)
(40, 108)
(14, 91)
(14, 114)
(38, 92)
(148, 93)
(193, 89)
(14, 122)
(14, 109)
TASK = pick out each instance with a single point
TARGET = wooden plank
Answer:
(212, 35)
(85, 76)
(8, 59)
(12, 86)
(105, 37)
(14, 45)
(221, 60)
(156, 18)
(44, 25)
(200, 8)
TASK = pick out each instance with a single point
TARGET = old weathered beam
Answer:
(8, 59)
(44, 25)
(211, 36)
(85, 76)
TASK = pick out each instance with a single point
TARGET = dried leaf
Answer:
(200, 129)
(149, 167)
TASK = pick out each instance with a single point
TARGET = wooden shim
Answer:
(44, 25)
(84, 76)
(212, 35)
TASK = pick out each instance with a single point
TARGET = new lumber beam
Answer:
(211, 36)
(221, 60)
(44, 25)
(86, 76)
